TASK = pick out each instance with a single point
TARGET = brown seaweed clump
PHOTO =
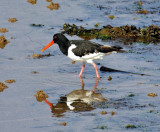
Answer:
(140, 3)
(111, 16)
(113, 113)
(53, 6)
(10, 81)
(2, 86)
(73, 62)
(86, 34)
(63, 123)
(103, 112)
(3, 42)
(142, 12)
(3, 30)
(38, 56)
(34, 72)
(152, 94)
(12, 20)
(49, 0)
(32, 1)
(41, 96)
(127, 33)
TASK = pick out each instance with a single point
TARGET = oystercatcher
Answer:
(82, 50)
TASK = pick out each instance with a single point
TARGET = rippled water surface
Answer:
(124, 99)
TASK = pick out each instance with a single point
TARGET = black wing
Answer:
(84, 47)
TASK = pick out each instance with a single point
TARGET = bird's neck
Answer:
(63, 46)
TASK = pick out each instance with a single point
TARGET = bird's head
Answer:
(57, 38)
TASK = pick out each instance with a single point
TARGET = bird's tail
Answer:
(108, 49)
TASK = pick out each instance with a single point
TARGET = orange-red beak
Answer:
(47, 46)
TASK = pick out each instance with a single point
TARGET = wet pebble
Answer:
(109, 78)
(151, 111)
(37, 25)
(97, 25)
(130, 126)
(10, 58)
(131, 95)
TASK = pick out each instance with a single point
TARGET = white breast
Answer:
(72, 56)
(87, 58)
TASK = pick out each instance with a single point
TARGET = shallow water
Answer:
(57, 76)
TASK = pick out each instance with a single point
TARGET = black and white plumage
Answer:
(82, 50)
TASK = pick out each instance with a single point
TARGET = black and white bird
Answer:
(82, 50)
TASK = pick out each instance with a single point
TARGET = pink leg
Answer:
(95, 86)
(95, 67)
(83, 66)
(82, 83)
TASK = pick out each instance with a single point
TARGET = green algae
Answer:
(126, 33)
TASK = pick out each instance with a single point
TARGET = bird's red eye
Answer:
(55, 37)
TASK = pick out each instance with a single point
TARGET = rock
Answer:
(130, 126)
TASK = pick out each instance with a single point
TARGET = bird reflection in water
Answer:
(77, 100)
